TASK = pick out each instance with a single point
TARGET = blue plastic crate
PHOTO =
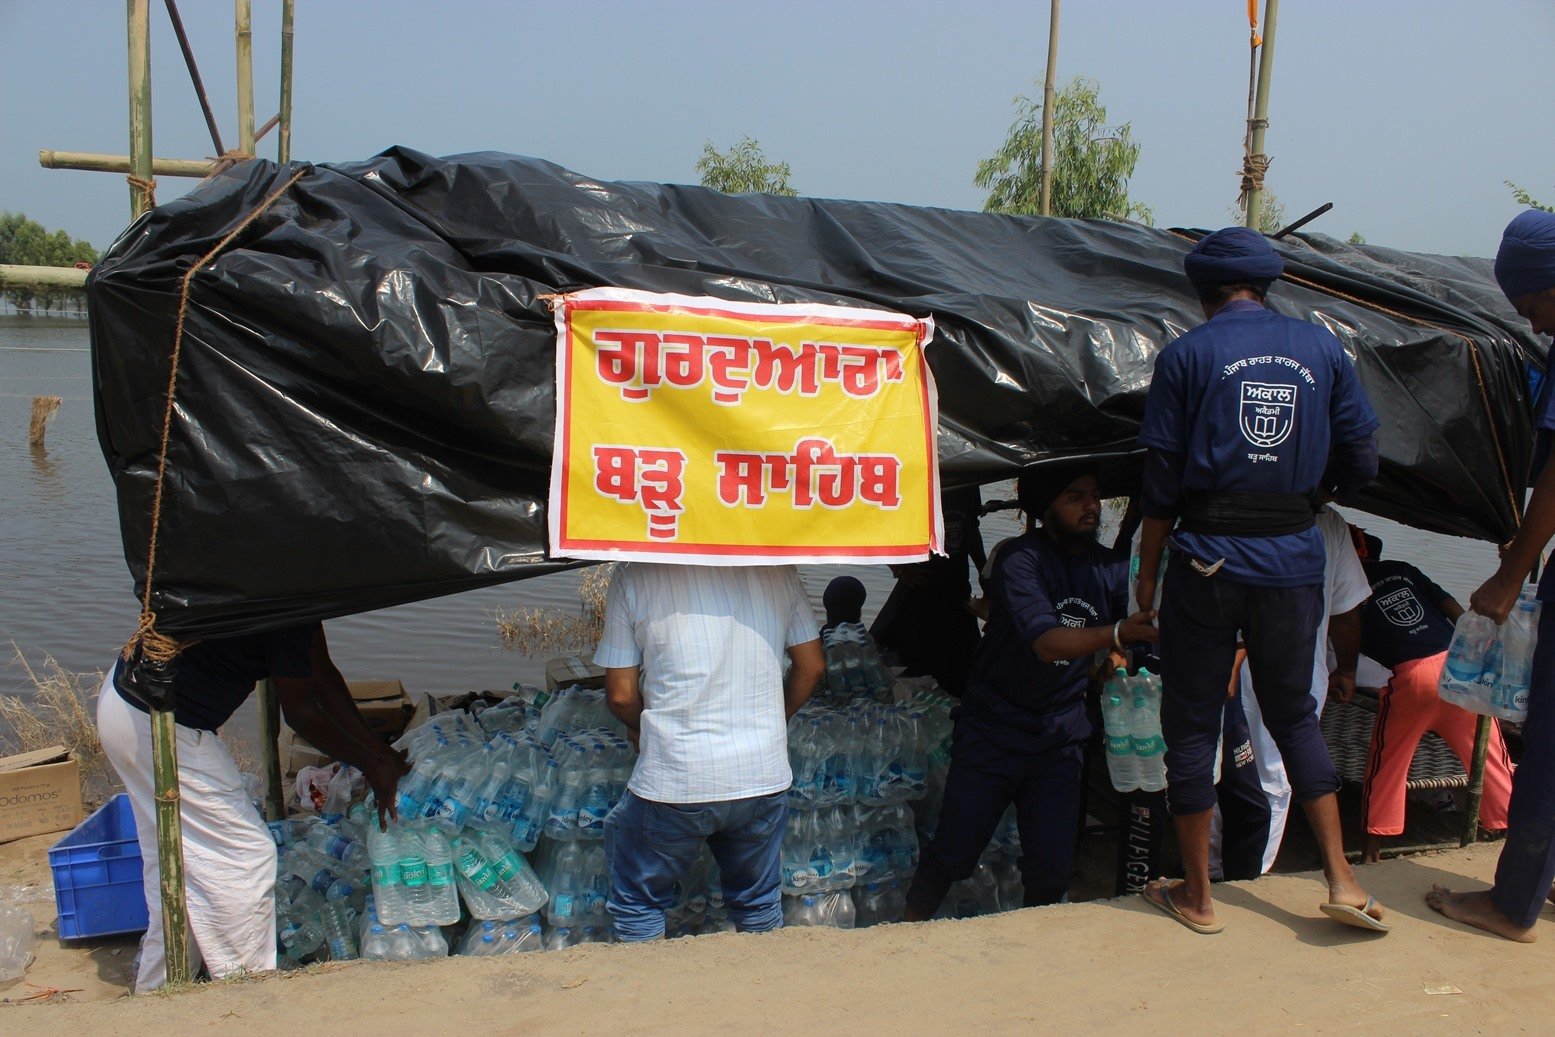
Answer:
(98, 886)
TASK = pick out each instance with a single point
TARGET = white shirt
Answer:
(710, 640)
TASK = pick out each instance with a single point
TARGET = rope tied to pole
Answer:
(147, 189)
(1254, 169)
(156, 646)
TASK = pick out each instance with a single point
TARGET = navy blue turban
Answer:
(1525, 263)
(1235, 255)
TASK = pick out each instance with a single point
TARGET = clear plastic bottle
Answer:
(1117, 710)
(524, 887)
(1519, 637)
(388, 889)
(1145, 731)
(560, 939)
(1462, 676)
(443, 892)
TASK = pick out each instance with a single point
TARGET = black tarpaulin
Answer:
(364, 400)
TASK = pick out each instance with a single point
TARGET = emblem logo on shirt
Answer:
(1401, 608)
(1076, 612)
(1268, 412)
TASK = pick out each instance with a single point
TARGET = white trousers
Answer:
(229, 857)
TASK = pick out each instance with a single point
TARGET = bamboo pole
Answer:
(164, 742)
(283, 147)
(24, 277)
(142, 190)
(269, 751)
(48, 158)
(1047, 110)
(1260, 123)
(245, 41)
(170, 845)
(1476, 781)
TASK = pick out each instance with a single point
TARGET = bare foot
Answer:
(1477, 910)
(1371, 850)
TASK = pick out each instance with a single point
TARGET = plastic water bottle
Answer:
(337, 933)
(418, 908)
(1465, 668)
(560, 939)
(1116, 710)
(429, 941)
(339, 846)
(443, 894)
(299, 937)
(517, 940)
(1145, 732)
(1518, 641)
(524, 886)
(388, 889)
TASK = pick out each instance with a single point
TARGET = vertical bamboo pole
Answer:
(138, 20)
(245, 38)
(1261, 105)
(269, 753)
(284, 138)
(1476, 781)
(170, 844)
(1047, 110)
(164, 739)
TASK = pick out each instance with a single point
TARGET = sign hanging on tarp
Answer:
(697, 430)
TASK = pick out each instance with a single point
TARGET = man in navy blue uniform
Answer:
(1056, 600)
(1251, 418)
(1525, 269)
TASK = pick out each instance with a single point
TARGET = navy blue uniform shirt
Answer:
(1251, 401)
(1403, 620)
(212, 678)
(1020, 701)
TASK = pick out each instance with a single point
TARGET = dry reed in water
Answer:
(61, 711)
(44, 409)
(533, 631)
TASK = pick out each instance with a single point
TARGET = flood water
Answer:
(65, 590)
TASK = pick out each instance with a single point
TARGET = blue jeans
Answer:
(650, 846)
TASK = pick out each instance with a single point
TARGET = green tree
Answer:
(25, 242)
(1271, 213)
(1356, 238)
(743, 169)
(1092, 162)
(1524, 198)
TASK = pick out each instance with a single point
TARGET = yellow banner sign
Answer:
(697, 430)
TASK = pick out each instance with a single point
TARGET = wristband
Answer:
(1116, 641)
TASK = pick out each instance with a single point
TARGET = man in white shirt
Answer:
(1345, 590)
(709, 711)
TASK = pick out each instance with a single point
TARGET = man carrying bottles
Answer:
(1056, 600)
(1249, 419)
(1525, 270)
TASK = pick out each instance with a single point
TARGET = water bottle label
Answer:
(1120, 745)
(322, 880)
(1152, 746)
(561, 905)
(439, 875)
(508, 865)
(477, 869)
(385, 875)
(413, 871)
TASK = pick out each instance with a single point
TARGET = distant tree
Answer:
(743, 169)
(25, 242)
(1524, 198)
(1092, 162)
(1271, 213)
(1356, 239)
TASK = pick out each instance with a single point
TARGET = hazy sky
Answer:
(1406, 114)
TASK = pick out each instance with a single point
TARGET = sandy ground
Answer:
(1103, 967)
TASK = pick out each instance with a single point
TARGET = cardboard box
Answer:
(40, 792)
(573, 669)
(383, 704)
(296, 753)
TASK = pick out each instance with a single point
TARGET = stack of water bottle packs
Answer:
(1131, 714)
(1490, 668)
(853, 667)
